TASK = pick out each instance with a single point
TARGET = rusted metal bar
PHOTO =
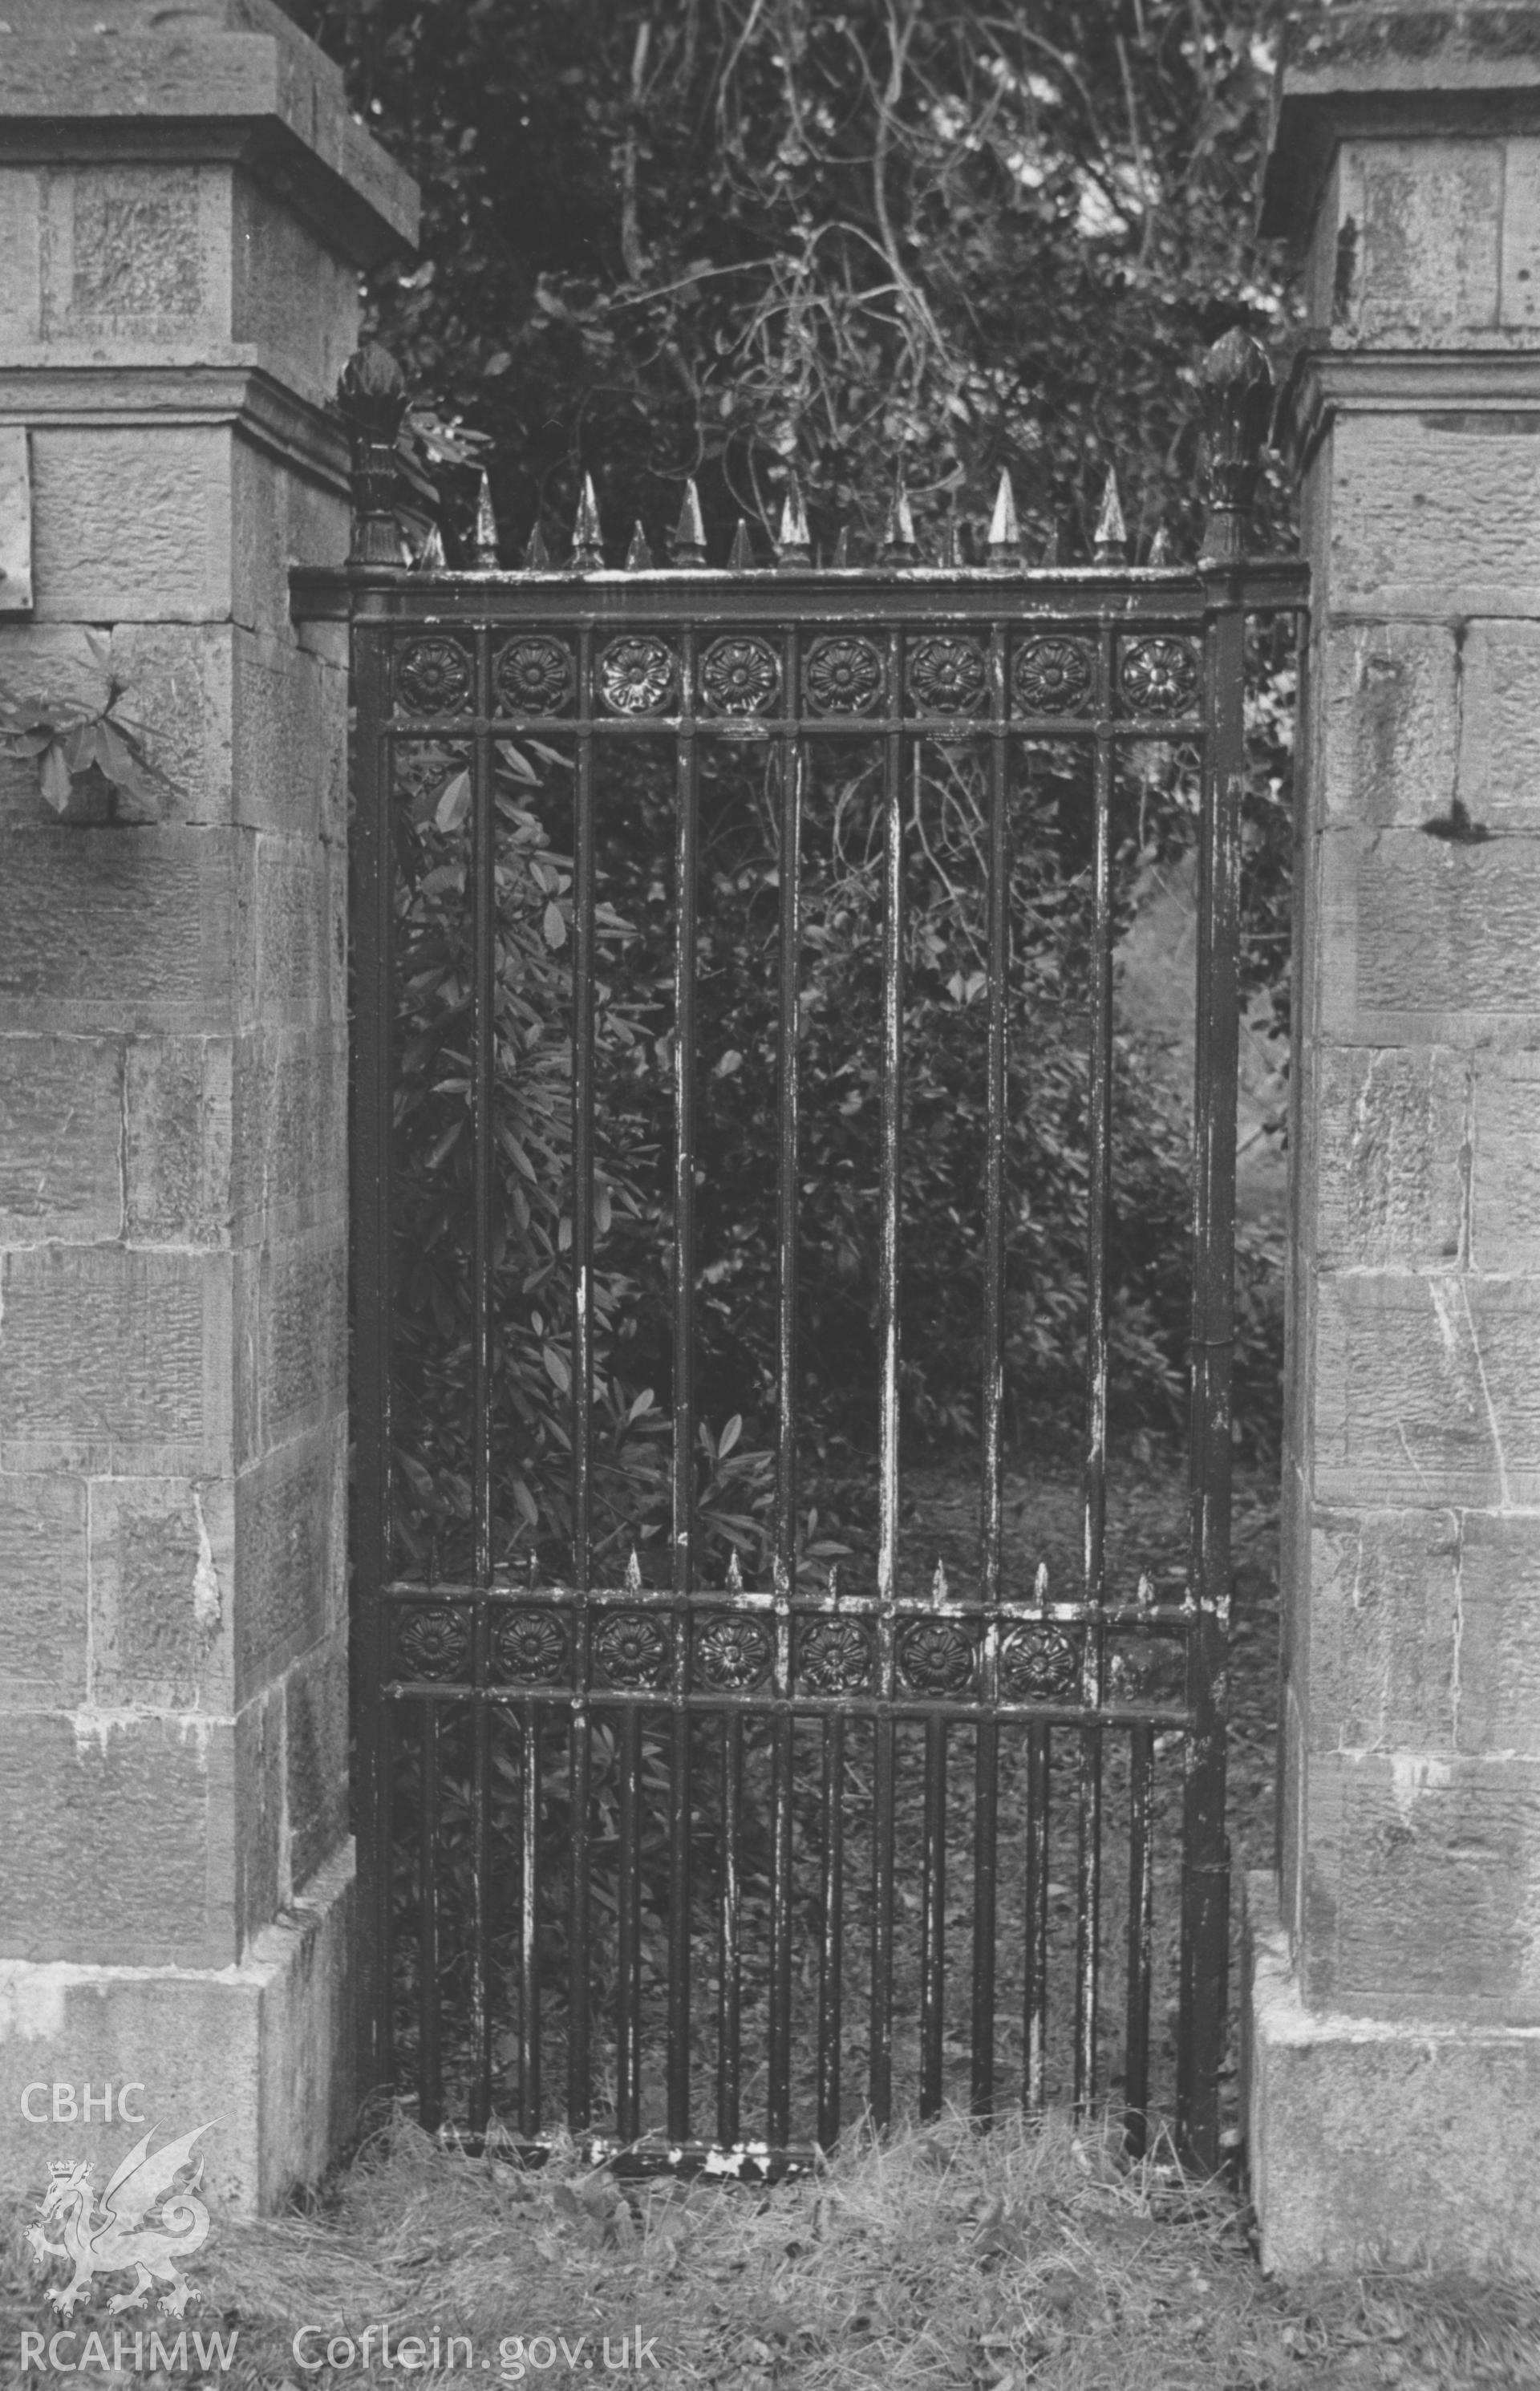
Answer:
(891, 1166)
(1035, 2035)
(682, 1459)
(373, 1320)
(579, 1961)
(529, 1918)
(729, 1963)
(627, 1973)
(788, 1110)
(584, 839)
(831, 1954)
(1141, 1939)
(1099, 1209)
(429, 1957)
(933, 1918)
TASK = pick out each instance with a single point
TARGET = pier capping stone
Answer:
(1390, 72)
(231, 82)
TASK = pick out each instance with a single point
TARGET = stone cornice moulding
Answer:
(172, 396)
(1367, 72)
(1329, 380)
(95, 92)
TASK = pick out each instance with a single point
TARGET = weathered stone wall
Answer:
(183, 206)
(1408, 164)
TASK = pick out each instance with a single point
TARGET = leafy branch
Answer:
(68, 741)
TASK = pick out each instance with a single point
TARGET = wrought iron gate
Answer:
(563, 1772)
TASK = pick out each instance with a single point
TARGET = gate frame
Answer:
(375, 592)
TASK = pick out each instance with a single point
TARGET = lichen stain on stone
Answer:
(1414, 1774)
(205, 1577)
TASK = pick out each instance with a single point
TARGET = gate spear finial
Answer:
(638, 556)
(1004, 525)
(587, 550)
(690, 531)
(1111, 530)
(742, 557)
(537, 555)
(793, 546)
(486, 544)
(899, 537)
(1160, 547)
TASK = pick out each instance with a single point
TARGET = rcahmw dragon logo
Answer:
(115, 2239)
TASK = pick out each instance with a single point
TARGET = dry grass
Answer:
(937, 2258)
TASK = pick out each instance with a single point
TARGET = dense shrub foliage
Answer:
(732, 238)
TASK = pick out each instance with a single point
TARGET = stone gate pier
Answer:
(1393, 2082)
(184, 204)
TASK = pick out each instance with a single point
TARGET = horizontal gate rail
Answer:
(720, 1721)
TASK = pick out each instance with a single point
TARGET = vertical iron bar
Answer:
(483, 1052)
(891, 1160)
(373, 1301)
(987, 1739)
(788, 1222)
(1035, 2040)
(933, 1917)
(1140, 1939)
(582, 1119)
(686, 874)
(1205, 1860)
(529, 1921)
(430, 2074)
(1099, 1122)
(627, 2031)
(729, 1987)
(788, 1105)
(880, 2067)
(831, 1955)
(579, 1957)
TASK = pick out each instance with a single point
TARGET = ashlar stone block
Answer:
(1429, 514)
(1426, 1391)
(1505, 1163)
(1391, 722)
(1499, 725)
(117, 931)
(1498, 1682)
(133, 524)
(1429, 941)
(1422, 1888)
(1384, 1631)
(176, 1144)
(60, 1139)
(291, 1548)
(162, 1581)
(44, 1634)
(1425, 219)
(115, 1360)
(1388, 1140)
(117, 1839)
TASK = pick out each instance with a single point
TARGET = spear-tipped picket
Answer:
(951, 545)
(1041, 1590)
(940, 1590)
(1144, 1593)
(638, 556)
(1004, 525)
(1160, 547)
(735, 1574)
(741, 559)
(537, 555)
(1049, 557)
(898, 545)
(1111, 530)
(690, 531)
(633, 1573)
(833, 1584)
(588, 548)
(484, 544)
(841, 556)
(793, 545)
(430, 557)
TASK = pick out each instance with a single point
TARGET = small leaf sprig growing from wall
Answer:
(68, 741)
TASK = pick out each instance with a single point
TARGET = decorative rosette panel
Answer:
(434, 677)
(631, 1648)
(1039, 1664)
(844, 674)
(532, 1648)
(948, 675)
(432, 1642)
(937, 1655)
(535, 674)
(639, 675)
(835, 1656)
(1053, 676)
(1158, 676)
(733, 1653)
(741, 675)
